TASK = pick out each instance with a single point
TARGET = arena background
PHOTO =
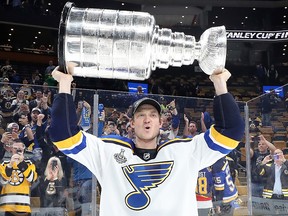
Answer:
(35, 25)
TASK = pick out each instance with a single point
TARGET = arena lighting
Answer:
(257, 35)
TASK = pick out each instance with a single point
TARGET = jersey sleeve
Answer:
(228, 120)
(63, 118)
(69, 139)
(222, 137)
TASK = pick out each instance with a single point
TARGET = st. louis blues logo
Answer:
(144, 177)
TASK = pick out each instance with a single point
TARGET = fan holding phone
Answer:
(275, 168)
(53, 184)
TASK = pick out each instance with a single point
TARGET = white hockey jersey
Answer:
(131, 186)
(161, 186)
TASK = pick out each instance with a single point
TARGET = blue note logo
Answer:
(144, 177)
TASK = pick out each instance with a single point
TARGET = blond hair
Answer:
(60, 173)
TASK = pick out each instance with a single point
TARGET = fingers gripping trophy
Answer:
(103, 43)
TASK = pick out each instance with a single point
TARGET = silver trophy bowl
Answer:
(103, 43)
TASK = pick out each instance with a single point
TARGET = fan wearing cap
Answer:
(29, 123)
(139, 177)
(6, 86)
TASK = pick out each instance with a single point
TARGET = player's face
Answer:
(146, 123)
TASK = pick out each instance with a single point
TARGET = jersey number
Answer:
(202, 186)
(229, 180)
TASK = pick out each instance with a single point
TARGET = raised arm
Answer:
(63, 113)
(228, 120)
(228, 130)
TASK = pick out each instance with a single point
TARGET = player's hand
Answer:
(219, 78)
(58, 75)
(220, 75)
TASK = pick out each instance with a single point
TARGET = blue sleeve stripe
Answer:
(216, 141)
(72, 145)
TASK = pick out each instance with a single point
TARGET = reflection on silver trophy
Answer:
(128, 45)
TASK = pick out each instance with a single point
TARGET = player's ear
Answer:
(132, 123)
(160, 122)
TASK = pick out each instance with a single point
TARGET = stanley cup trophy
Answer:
(128, 45)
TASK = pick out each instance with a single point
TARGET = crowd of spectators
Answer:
(25, 116)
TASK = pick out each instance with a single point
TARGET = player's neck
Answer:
(146, 154)
(146, 144)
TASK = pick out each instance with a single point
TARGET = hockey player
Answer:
(226, 193)
(204, 192)
(139, 177)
